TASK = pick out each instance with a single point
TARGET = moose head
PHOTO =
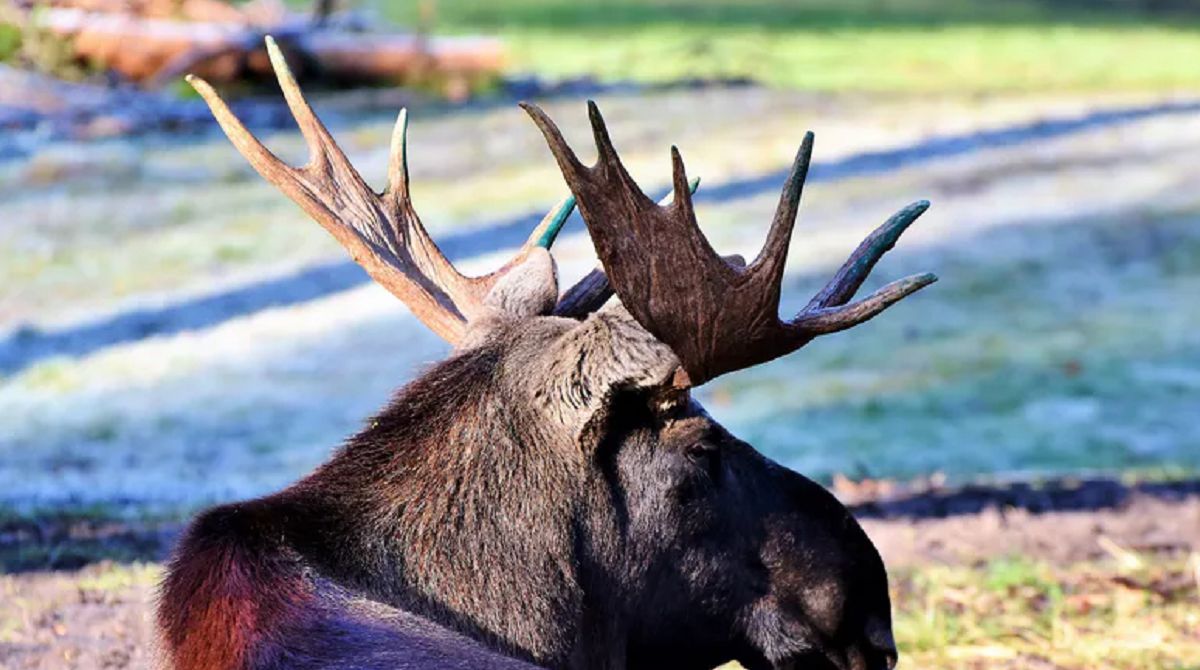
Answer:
(551, 492)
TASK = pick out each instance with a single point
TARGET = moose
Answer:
(550, 495)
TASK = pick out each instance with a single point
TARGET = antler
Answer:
(717, 315)
(381, 231)
(593, 290)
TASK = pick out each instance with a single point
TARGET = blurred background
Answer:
(1023, 437)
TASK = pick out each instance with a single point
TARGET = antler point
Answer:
(283, 73)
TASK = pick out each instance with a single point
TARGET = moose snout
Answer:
(878, 649)
(864, 656)
(870, 657)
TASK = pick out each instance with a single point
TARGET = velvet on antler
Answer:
(716, 315)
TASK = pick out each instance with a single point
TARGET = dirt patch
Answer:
(96, 617)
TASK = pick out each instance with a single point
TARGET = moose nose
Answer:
(889, 658)
(870, 657)
(880, 645)
(874, 658)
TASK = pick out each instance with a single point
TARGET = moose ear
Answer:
(605, 354)
(529, 289)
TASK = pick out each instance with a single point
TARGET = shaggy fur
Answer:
(543, 497)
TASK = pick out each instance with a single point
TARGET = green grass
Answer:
(886, 46)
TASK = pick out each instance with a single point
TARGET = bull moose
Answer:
(549, 495)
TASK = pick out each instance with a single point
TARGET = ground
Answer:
(1111, 588)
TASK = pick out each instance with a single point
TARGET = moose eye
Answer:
(705, 456)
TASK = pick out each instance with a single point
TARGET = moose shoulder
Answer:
(550, 495)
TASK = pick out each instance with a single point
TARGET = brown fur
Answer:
(542, 497)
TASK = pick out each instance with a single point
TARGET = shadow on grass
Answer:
(1056, 495)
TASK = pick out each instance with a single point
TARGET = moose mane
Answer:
(448, 477)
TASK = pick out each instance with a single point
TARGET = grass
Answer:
(885, 46)
(1142, 611)
(25, 44)
(1033, 354)
(1017, 613)
(116, 577)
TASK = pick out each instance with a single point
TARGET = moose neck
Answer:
(450, 505)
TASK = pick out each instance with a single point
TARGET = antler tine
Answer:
(828, 312)
(681, 191)
(567, 161)
(609, 167)
(827, 320)
(397, 186)
(609, 160)
(259, 156)
(774, 252)
(424, 250)
(323, 150)
(854, 271)
(321, 144)
(551, 225)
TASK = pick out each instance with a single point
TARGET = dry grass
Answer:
(1130, 612)
(1133, 611)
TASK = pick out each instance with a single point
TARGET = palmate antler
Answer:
(381, 231)
(716, 315)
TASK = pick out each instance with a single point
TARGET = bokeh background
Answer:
(174, 332)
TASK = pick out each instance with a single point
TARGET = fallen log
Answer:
(152, 51)
(382, 57)
(256, 11)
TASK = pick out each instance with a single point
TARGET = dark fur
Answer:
(541, 497)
